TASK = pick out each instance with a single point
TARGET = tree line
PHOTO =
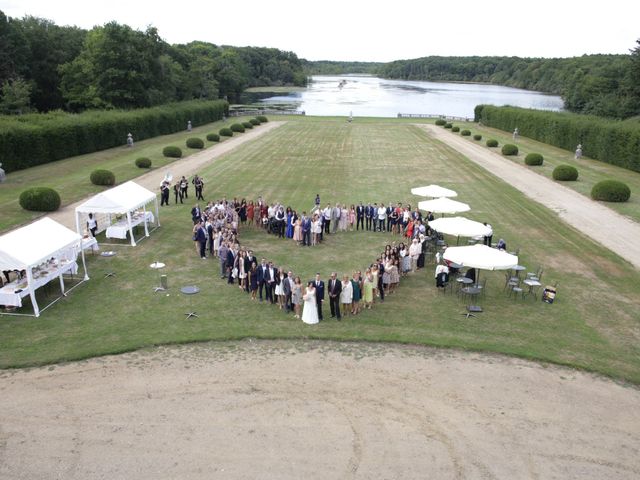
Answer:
(44, 66)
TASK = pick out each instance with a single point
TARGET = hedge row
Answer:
(610, 141)
(35, 139)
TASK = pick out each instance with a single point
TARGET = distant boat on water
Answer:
(342, 83)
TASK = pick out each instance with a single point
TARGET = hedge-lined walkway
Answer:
(186, 166)
(617, 233)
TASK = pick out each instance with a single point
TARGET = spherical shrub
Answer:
(465, 133)
(195, 142)
(40, 199)
(492, 143)
(237, 127)
(143, 162)
(103, 177)
(448, 125)
(455, 129)
(226, 132)
(213, 137)
(255, 122)
(477, 137)
(509, 149)
(247, 124)
(262, 119)
(441, 122)
(565, 173)
(534, 159)
(611, 191)
(172, 152)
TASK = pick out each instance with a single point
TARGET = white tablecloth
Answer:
(90, 243)
(9, 296)
(120, 228)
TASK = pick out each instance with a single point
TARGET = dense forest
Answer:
(604, 85)
(329, 67)
(45, 67)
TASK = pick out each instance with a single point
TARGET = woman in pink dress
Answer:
(352, 217)
(344, 214)
(297, 231)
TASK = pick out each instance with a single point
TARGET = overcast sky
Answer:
(368, 30)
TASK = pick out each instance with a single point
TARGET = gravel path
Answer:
(307, 410)
(187, 166)
(614, 231)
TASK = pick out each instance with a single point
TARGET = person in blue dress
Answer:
(289, 232)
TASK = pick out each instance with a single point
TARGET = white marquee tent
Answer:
(124, 200)
(433, 191)
(45, 249)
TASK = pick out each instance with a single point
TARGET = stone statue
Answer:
(3, 176)
(189, 126)
(129, 140)
(516, 134)
(578, 152)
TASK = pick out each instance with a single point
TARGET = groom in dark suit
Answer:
(360, 216)
(335, 288)
(319, 284)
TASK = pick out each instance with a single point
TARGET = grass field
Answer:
(594, 323)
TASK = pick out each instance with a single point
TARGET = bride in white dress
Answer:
(310, 310)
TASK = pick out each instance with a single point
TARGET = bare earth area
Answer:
(592, 218)
(315, 410)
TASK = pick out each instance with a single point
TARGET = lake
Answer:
(368, 96)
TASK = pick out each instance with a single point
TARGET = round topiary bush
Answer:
(565, 173)
(237, 127)
(509, 149)
(455, 129)
(534, 159)
(465, 133)
(103, 177)
(255, 122)
(441, 122)
(492, 143)
(247, 124)
(172, 151)
(143, 162)
(611, 191)
(477, 137)
(448, 125)
(262, 119)
(195, 142)
(213, 137)
(40, 199)
(226, 132)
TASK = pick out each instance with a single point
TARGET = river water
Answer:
(367, 96)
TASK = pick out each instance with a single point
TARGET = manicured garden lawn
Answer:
(593, 324)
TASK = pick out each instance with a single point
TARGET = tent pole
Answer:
(157, 212)
(146, 228)
(32, 293)
(84, 265)
(78, 222)
(133, 240)
(61, 284)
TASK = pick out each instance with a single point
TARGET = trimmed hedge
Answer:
(455, 129)
(465, 133)
(195, 142)
(143, 162)
(509, 149)
(477, 137)
(565, 173)
(226, 132)
(103, 177)
(237, 127)
(247, 125)
(255, 122)
(534, 159)
(35, 139)
(448, 125)
(262, 119)
(40, 199)
(213, 137)
(611, 191)
(610, 141)
(492, 142)
(441, 122)
(172, 151)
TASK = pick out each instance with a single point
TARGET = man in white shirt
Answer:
(382, 216)
(327, 214)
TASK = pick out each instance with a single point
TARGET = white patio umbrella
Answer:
(443, 205)
(433, 191)
(481, 257)
(460, 227)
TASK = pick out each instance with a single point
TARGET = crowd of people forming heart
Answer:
(216, 229)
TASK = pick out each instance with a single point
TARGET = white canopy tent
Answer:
(460, 227)
(443, 205)
(121, 200)
(433, 191)
(45, 249)
(481, 257)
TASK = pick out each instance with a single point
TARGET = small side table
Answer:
(157, 266)
(190, 290)
(109, 254)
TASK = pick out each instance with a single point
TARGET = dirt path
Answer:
(614, 231)
(186, 166)
(315, 410)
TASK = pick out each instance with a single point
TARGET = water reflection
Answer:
(376, 97)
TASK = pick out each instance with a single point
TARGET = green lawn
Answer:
(594, 323)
